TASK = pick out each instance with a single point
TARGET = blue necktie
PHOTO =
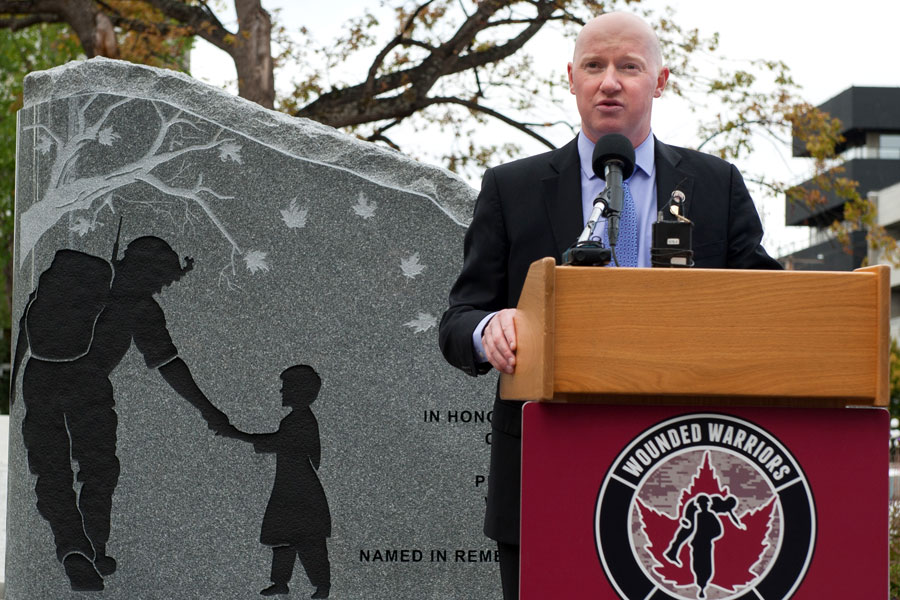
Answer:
(627, 248)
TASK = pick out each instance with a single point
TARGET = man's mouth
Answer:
(608, 104)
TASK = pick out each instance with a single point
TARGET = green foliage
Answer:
(32, 49)
(161, 42)
(894, 550)
(895, 379)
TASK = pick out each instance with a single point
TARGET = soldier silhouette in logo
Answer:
(297, 520)
(700, 524)
(78, 324)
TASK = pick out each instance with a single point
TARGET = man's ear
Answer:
(569, 68)
(661, 81)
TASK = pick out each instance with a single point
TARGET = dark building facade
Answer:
(870, 119)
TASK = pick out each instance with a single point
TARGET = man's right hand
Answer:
(499, 341)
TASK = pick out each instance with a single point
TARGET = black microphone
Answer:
(613, 162)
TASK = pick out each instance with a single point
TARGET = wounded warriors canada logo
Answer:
(705, 506)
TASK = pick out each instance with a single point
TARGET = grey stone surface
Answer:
(310, 247)
(4, 472)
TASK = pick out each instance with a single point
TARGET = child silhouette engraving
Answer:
(297, 520)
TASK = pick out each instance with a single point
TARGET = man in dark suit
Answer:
(536, 207)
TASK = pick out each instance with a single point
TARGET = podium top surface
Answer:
(735, 336)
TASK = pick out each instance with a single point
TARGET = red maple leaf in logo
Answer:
(735, 545)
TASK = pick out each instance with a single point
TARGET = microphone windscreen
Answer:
(613, 146)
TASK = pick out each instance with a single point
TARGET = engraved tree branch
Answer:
(67, 191)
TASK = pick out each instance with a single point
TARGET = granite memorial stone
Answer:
(227, 376)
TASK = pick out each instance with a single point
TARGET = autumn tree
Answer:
(136, 31)
(454, 65)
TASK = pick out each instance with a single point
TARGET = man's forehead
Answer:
(616, 31)
(624, 40)
(616, 51)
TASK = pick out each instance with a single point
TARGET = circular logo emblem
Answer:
(705, 506)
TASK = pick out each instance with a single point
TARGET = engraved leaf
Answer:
(107, 136)
(230, 151)
(82, 226)
(44, 144)
(411, 266)
(256, 261)
(294, 216)
(422, 322)
(364, 207)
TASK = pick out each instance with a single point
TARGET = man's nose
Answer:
(610, 81)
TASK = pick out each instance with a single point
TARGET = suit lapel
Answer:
(669, 178)
(562, 197)
(562, 190)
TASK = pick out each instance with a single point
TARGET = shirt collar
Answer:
(643, 155)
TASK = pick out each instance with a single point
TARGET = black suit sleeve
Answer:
(727, 229)
(482, 286)
(745, 230)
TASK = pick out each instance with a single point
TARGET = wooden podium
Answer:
(588, 334)
(703, 434)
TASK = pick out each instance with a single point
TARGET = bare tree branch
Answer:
(16, 23)
(369, 84)
(379, 137)
(348, 106)
(493, 113)
(79, 14)
(249, 47)
(199, 19)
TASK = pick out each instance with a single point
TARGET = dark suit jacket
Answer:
(531, 208)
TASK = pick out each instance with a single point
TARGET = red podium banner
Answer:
(675, 503)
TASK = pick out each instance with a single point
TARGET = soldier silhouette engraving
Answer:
(700, 524)
(297, 520)
(78, 324)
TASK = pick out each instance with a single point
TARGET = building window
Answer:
(889, 145)
(888, 148)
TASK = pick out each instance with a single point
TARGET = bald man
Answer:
(536, 207)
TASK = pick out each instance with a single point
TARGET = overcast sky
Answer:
(828, 46)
